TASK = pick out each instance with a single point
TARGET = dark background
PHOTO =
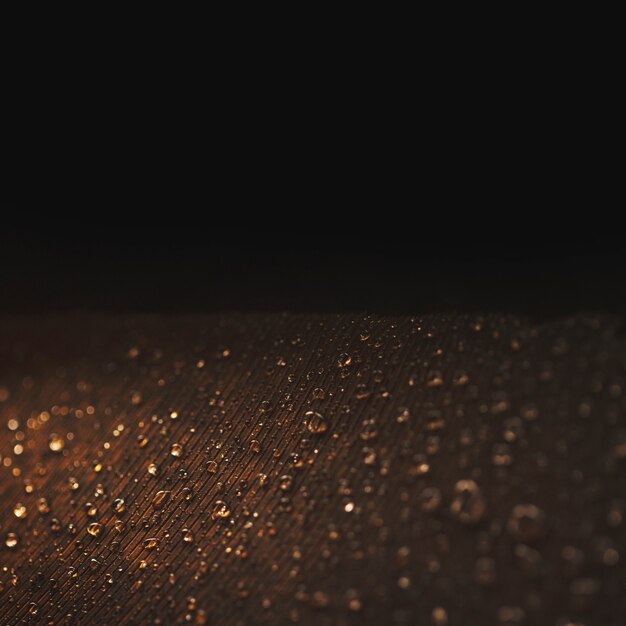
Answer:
(172, 261)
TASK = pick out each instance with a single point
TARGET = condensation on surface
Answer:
(313, 470)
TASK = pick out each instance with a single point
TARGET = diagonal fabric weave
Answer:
(273, 469)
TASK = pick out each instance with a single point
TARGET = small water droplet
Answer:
(434, 379)
(20, 511)
(265, 406)
(11, 540)
(353, 600)
(430, 499)
(220, 510)
(285, 482)
(160, 499)
(468, 504)
(344, 360)
(94, 529)
(526, 523)
(151, 543)
(320, 599)
(176, 449)
(315, 422)
(119, 526)
(43, 506)
(56, 443)
(318, 393)
(439, 616)
(91, 509)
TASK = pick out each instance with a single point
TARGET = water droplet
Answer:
(119, 505)
(353, 600)
(439, 616)
(369, 456)
(220, 510)
(404, 582)
(160, 499)
(403, 415)
(369, 430)
(19, 510)
(73, 483)
(530, 412)
(318, 393)
(151, 543)
(211, 467)
(430, 499)
(187, 535)
(485, 571)
(527, 523)
(434, 379)
(119, 526)
(460, 379)
(153, 469)
(511, 616)
(55, 525)
(176, 449)
(91, 509)
(320, 600)
(344, 360)
(315, 422)
(43, 506)
(94, 529)
(285, 482)
(56, 443)
(11, 540)
(255, 446)
(136, 398)
(468, 504)
(142, 441)
(584, 592)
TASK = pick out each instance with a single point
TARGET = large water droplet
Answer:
(527, 523)
(160, 499)
(94, 529)
(468, 504)
(315, 422)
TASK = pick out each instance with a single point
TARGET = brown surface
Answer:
(532, 415)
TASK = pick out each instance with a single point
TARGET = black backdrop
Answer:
(174, 262)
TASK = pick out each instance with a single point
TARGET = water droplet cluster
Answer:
(314, 469)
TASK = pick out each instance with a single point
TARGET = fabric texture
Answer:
(272, 469)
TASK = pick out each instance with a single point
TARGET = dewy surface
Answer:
(271, 469)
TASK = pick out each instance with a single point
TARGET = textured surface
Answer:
(317, 470)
